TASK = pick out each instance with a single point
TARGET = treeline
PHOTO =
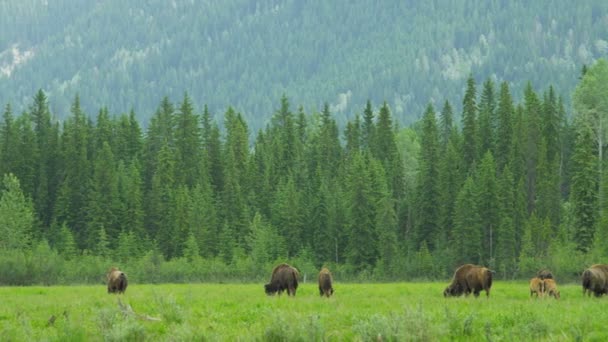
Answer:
(515, 186)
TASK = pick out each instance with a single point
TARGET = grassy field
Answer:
(242, 312)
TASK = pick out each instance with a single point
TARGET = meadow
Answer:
(242, 312)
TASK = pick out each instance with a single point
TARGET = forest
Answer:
(244, 53)
(515, 186)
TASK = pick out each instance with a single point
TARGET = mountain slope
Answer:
(129, 54)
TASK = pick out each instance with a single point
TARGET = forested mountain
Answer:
(247, 54)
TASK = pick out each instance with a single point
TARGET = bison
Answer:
(537, 287)
(544, 274)
(551, 288)
(595, 280)
(325, 283)
(470, 278)
(117, 281)
(284, 277)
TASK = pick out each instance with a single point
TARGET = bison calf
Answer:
(470, 278)
(284, 277)
(537, 287)
(551, 288)
(325, 283)
(117, 281)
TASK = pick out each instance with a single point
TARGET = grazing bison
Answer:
(117, 281)
(470, 278)
(551, 288)
(544, 274)
(284, 277)
(325, 283)
(595, 280)
(537, 287)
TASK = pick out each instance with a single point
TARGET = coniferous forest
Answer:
(514, 185)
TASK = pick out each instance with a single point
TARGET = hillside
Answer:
(129, 54)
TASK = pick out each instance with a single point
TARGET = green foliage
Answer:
(16, 215)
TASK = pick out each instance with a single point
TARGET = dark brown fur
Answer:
(595, 280)
(537, 287)
(551, 288)
(544, 274)
(325, 283)
(117, 281)
(470, 278)
(284, 277)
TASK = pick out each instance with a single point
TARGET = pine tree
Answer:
(446, 125)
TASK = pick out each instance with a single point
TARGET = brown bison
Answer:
(595, 280)
(551, 288)
(544, 274)
(284, 277)
(117, 281)
(537, 287)
(470, 278)
(325, 283)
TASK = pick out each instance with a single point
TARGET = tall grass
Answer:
(242, 312)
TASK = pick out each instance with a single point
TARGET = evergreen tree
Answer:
(506, 257)
(187, 144)
(288, 216)
(469, 125)
(103, 202)
(504, 130)
(428, 184)
(446, 125)
(204, 219)
(76, 175)
(362, 241)
(487, 120)
(9, 149)
(16, 215)
(368, 127)
(488, 207)
(533, 130)
(467, 225)
(212, 154)
(584, 195)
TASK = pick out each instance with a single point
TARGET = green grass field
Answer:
(242, 312)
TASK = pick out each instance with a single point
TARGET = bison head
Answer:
(452, 291)
(270, 289)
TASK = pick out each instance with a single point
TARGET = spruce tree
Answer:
(428, 183)
(504, 129)
(469, 125)
(467, 225)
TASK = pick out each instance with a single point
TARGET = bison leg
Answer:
(321, 291)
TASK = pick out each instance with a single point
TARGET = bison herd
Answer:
(467, 279)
